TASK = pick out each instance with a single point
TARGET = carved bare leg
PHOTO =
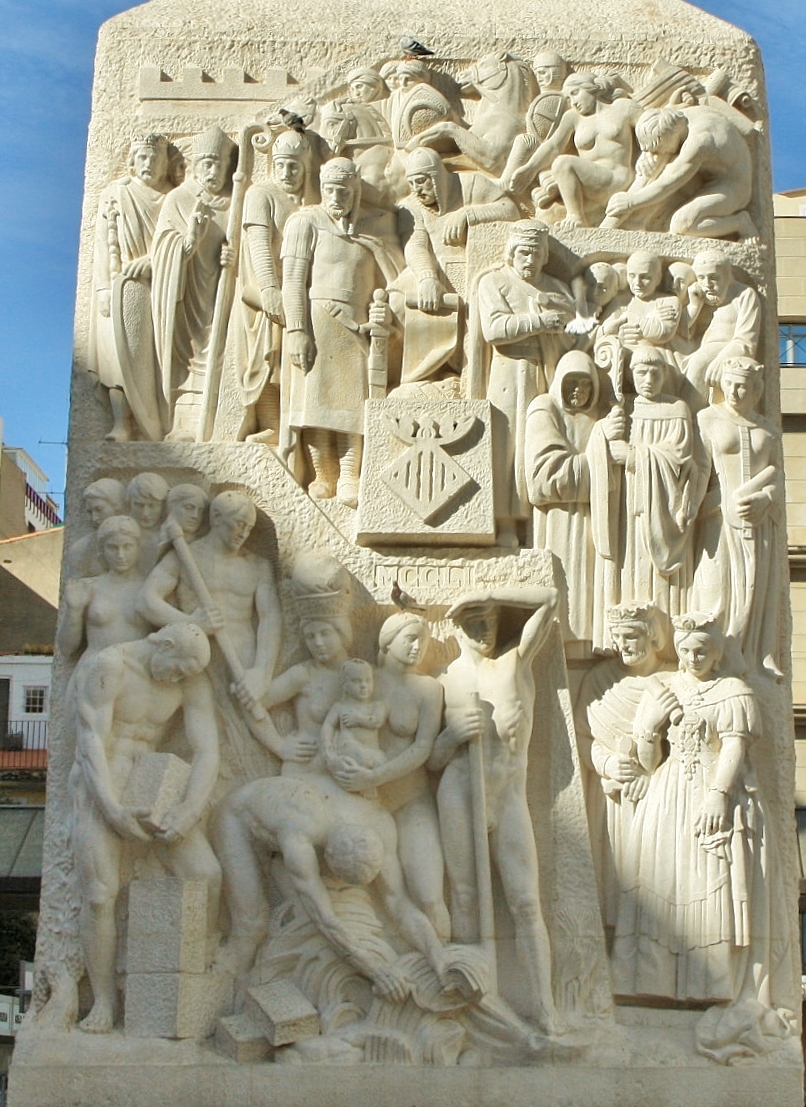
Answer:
(248, 902)
(513, 846)
(98, 856)
(453, 799)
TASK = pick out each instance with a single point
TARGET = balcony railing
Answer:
(24, 744)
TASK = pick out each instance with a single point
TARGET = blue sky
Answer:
(46, 60)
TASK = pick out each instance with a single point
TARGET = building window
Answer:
(792, 343)
(35, 701)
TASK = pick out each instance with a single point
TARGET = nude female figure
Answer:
(101, 611)
(414, 703)
(598, 127)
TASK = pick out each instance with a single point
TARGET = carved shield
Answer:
(134, 345)
(545, 113)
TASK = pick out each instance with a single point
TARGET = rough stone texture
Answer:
(175, 1005)
(282, 1012)
(167, 930)
(403, 466)
(157, 782)
(238, 1038)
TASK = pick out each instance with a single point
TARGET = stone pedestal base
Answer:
(628, 1067)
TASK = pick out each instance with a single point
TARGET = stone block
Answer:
(175, 1005)
(167, 926)
(236, 1036)
(282, 1012)
(427, 473)
(157, 782)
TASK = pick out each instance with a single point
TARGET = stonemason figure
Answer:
(121, 339)
(259, 337)
(330, 271)
(127, 697)
(188, 253)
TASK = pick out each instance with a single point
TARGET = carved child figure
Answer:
(651, 315)
(350, 732)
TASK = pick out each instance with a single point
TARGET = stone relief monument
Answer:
(425, 722)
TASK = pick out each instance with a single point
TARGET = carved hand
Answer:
(209, 619)
(454, 231)
(619, 451)
(714, 816)
(617, 206)
(380, 316)
(139, 269)
(197, 226)
(353, 777)
(301, 349)
(429, 294)
(392, 983)
(272, 301)
(635, 790)
(630, 333)
(178, 822)
(248, 689)
(227, 256)
(696, 297)
(654, 709)
(614, 424)
(550, 321)
(620, 767)
(299, 747)
(752, 509)
(518, 181)
(125, 821)
(466, 725)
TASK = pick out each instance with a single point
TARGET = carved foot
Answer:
(100, 1020)
(321, 490)
(180, 434)
(771, 669)
(118, 434)
(61, 1009)
(347, 492)
(266, 437)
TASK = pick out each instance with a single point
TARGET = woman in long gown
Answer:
(698, 921)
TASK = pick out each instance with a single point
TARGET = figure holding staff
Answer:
(489, 701)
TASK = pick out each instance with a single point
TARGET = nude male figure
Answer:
(127, 697)
(241, 586)
(502, 678)
(301, 818)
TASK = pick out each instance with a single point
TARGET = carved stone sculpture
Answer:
(122, 342)
(743, 513)
(102, 611)
(330, 271)
(693, 922)
(469, 816)
(188, 252)
(599, 126)
(616, 783)
(102, 499)
(240, 609)
(680, 145)
(267, 206)
(350, 732)
(487, 733)
(725, 316)
(127, 696)
(558, 427)
(522, 313)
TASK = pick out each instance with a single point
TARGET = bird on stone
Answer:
(414, 49)
(403, 600)
(293, 121)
